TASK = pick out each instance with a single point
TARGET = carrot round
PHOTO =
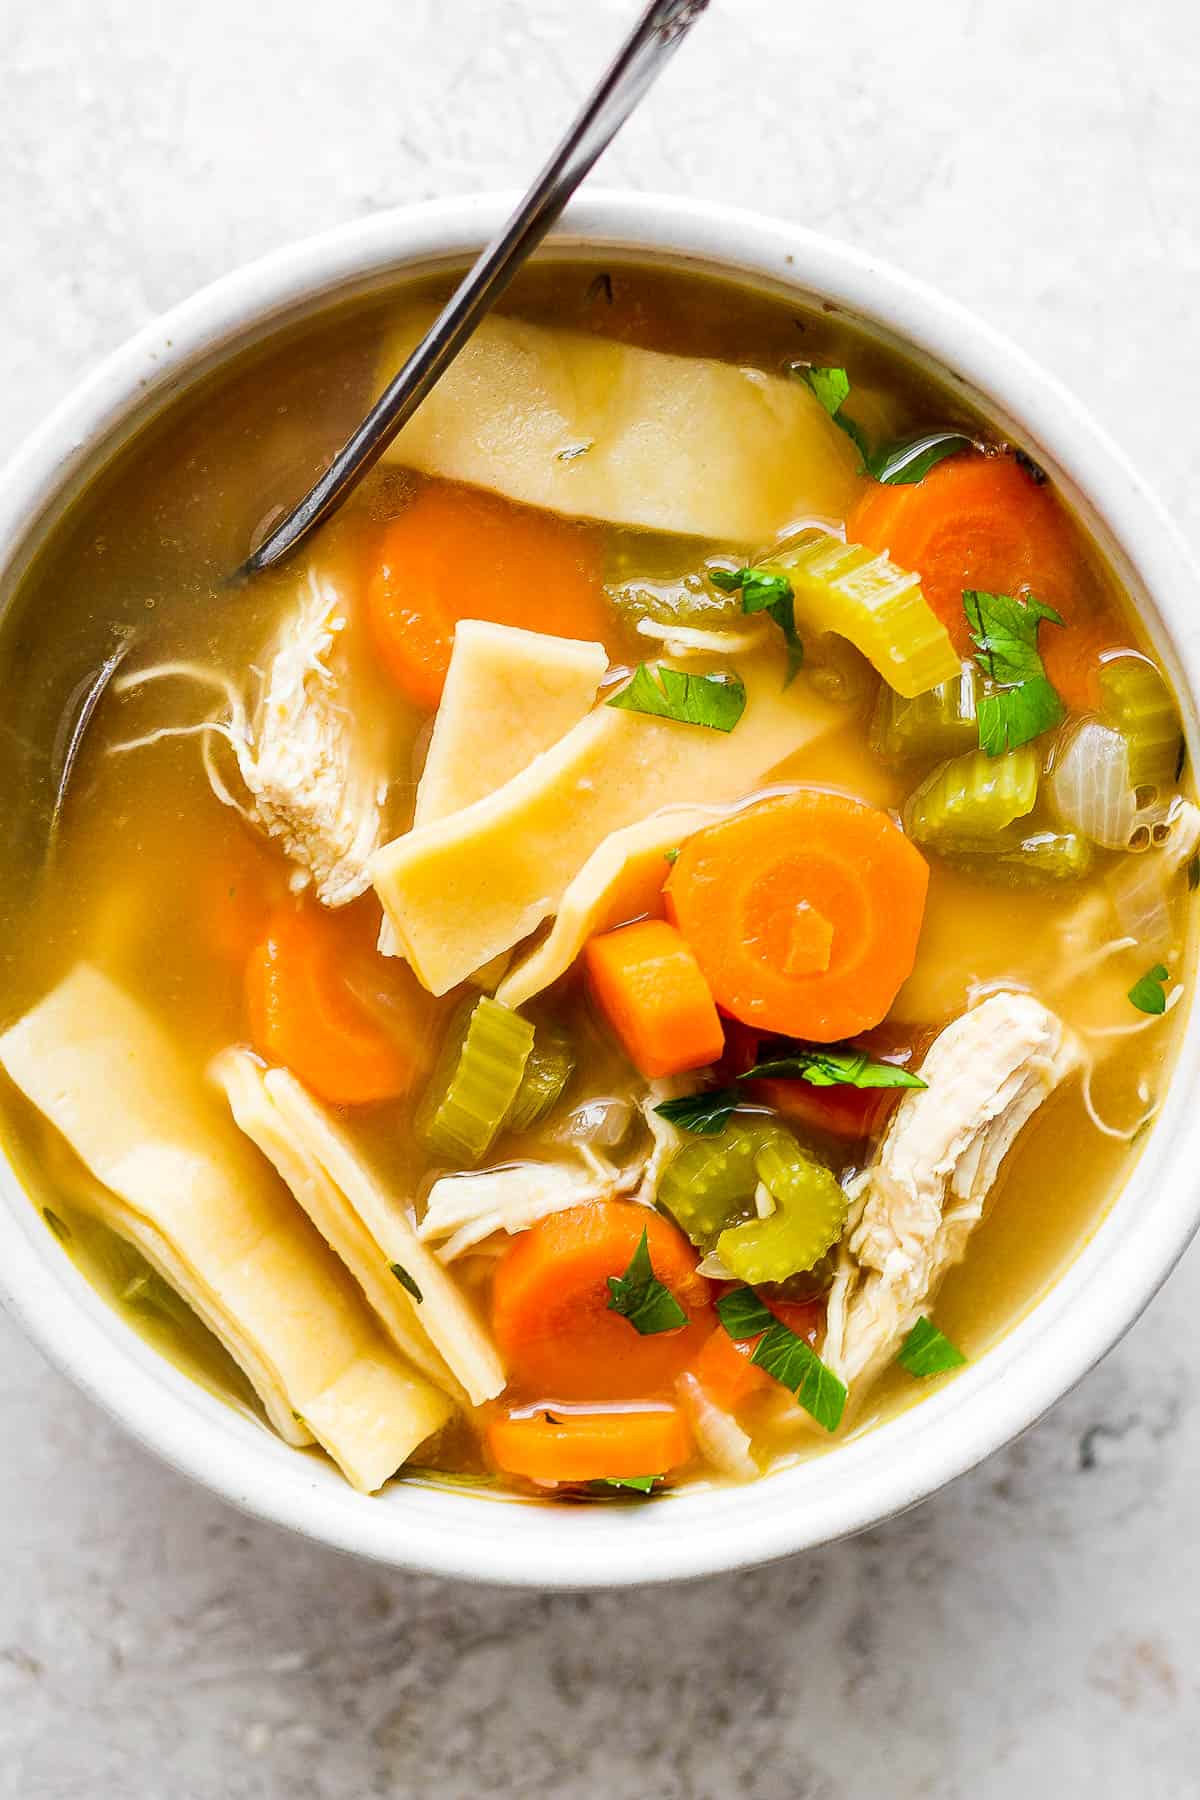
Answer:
(590, 1446)
(738, 886)
(975, 521)
(550, 1306)
(647, 983)
(459, 553)
(303, 1012)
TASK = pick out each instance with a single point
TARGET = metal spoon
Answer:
(649, 47)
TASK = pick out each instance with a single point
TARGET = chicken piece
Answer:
(463, 1210)
(314, 784)
(987, 1074)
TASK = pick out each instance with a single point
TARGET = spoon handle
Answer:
(648, 48)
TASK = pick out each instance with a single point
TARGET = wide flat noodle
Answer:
(463, 890)
(621, 880)
(243, 1080)
(443, 1312)
(178, 1181)
(509, 695)
(602, 430)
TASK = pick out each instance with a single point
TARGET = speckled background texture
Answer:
(1032, 1632)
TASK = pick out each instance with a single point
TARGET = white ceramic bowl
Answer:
(473, 1534)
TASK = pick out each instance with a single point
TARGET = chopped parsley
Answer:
(406, 1281)
(785, 1356)
(716, 701)
(763, 590)
(832, 389)
(1005, 632)
(1149, 993)
(705, 1114)
(672, 855)
(634, 1484)
(904, 464)
(834, 1067)
(639, 1296)
(928, 1351)
(702, 1114)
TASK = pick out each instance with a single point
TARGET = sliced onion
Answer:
(1141, 888)
(604, 1120)
(1089, 787)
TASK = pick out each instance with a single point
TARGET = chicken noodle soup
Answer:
(646, 948)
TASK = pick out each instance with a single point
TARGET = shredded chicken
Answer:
(311, 786)
(313, 783)
(465, 1209)
(916, 1206)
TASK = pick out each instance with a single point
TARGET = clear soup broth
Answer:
(1058, 869)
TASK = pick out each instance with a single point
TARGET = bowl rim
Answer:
(704, 1530)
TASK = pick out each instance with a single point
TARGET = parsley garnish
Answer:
(708, 1113)
(672, 855)
(832, 389)
(639, 1296)
(1149, 993)
(928, 1351)
(764, 591)
(636, 1484)
(702, 1114)
(406, 1281)
(903, 464)
(1005, 632)
(717, 701)
(834, 1067)
(785, 1356)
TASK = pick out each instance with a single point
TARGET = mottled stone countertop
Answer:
(1035, 1630)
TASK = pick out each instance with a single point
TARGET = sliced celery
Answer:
(810, 1211)
(1030, 860)
(1138, 703)
(476, 1081)
(711, 1180)
(863, 596)
(940, 722)
(973, 797)
(551, 1065)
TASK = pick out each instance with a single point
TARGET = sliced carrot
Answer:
(736, 888)
(590, 1446)
(647, 983)
(320, 1002)
(550, 1306)
(976, 521)
(459, 553)
(726, 1371)
(725, 1367)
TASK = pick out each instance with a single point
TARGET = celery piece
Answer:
(549, 1068)
(973, 797)
(940, 722)
(710, 1181)
(1029, 860)
(477, 1079)
(861, 595)
(810, 1211)
(1137, 702)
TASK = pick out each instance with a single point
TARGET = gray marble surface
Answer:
(1035, 1630)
